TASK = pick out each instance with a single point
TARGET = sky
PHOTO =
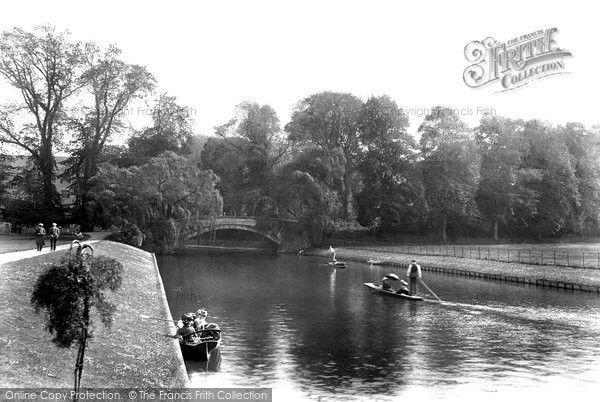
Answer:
(213, 55)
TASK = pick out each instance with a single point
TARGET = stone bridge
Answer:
(270, 228)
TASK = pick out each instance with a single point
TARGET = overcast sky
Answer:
(213, 55)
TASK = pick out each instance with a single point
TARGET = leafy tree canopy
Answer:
(164, 197)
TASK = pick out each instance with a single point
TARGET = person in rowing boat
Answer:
(187, 326)
(204, 329)
(414, 274)
(385, 284)
(200, 320)
(332, 252)
(403, 288)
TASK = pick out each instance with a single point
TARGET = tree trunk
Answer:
(79, 362)
(46, 165)
(496, 229)
(84, 335)
(444, 225)
(90, 169)
(346, 196)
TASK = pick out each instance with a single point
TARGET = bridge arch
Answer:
(274, 229)
(266, 227)
(216, 227)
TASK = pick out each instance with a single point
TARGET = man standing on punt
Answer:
(414, 274)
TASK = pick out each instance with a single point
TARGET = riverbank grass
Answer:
(131, 353)
(587, 277)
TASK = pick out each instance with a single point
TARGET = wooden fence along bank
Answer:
(565, 277)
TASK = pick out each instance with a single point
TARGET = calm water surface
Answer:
(311, 332)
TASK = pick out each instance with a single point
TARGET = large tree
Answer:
(259, 131)
(163, 198)
(226, 162)
(330, 120)
(112, 84)
(171, 130)
(449, 167)
(251, 144)
(23, 206)
(584, 148)
(556, 182)
(46, 69)
(503, 195)
(391, 197)
(5, 170)
(312, 183)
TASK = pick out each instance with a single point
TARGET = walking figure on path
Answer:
(40, 232)
(54, 233)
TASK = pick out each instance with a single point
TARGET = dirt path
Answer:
(13, 242)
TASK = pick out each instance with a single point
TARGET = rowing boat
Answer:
(392, 293)
(337, 264)
(199, 345)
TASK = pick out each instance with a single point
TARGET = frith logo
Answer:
(514, 63)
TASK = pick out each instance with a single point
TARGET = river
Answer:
(315, 333)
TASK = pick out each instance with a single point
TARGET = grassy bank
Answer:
(434, 239)
(587, 277)
(132, 353)
(578, 255)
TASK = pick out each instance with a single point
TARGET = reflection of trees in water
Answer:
(266, 340)
(254, 293)
(287, 319)
(352, 344)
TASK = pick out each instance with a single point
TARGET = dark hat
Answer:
(187, 317)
